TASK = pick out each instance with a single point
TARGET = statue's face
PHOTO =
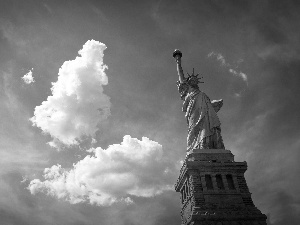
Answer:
(193, 82)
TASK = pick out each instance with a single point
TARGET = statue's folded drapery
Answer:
(204, 130)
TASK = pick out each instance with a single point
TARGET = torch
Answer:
(177, 53)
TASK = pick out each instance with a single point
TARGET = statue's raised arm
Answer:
(204, 130)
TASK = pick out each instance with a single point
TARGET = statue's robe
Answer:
(204, 130)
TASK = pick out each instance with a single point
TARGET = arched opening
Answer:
(208, 182)
(220, 183)
(230, 182)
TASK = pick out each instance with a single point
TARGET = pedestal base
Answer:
(214, 190)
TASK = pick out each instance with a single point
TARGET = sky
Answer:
(91, 127)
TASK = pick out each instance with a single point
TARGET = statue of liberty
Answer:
(204, 130)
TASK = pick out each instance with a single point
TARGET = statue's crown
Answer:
(194, 80)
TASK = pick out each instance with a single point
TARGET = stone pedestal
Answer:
(214, 190)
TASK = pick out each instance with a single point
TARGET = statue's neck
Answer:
(194, 90)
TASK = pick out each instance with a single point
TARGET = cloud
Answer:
(132, 168)
(219, 57)
(239, 74)
(77, 103)
(223, 62)
(28, 78)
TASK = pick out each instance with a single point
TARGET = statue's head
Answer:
(194, 80)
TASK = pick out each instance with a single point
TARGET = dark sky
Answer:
(114, 138)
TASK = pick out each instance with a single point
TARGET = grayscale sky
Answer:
(91, 128)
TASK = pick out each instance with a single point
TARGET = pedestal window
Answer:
(230, 182)
(220, 183)
(209, 183)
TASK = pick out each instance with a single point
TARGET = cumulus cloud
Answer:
(28, 78)
(77, 103)
(132, 168)
(223, 62)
